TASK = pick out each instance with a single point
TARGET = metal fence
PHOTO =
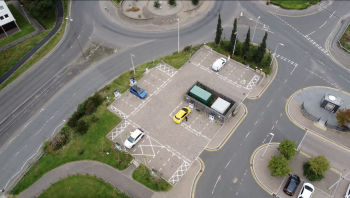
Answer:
(314, 118)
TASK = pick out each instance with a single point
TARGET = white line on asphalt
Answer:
(320, 62)
(143, 43)
(78, 36)
(272, 127)
(264, 141)
(323, 24)
(247, 135)
(269, 104)
(344, 78)
(310, 33)
(227, 164)
(301, 140)
(281, 115)
(293, 70)
(276, 121)
(256, 122)
(285, 81)
(215, 184)
(332, 14)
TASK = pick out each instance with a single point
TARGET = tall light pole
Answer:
(178, 35)
(341, 177)
(274, 54)
(234, 46)
(255, 28)
(70, 21)
(131, 55)
(262, 157)
(25, 14)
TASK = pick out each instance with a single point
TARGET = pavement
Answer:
(274, 185)
(107, 173)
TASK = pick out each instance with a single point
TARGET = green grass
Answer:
(345, 39)
(295, 4)
(81, 186)
(14, 54)
(220, 49)
(23, 24)
(117, 1)
(142, 175)
(91, 143)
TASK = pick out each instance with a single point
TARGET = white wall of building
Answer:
(5, 14)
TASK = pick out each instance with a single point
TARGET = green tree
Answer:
(218, 31)
(40, 8)
(343, 117)
(260, 52)
(233, 36)
(172, 2)
(319, 165)
(310, 175)
(279, 166)
(246, 45)
(82, 127)
(195, 2)
(287, 149)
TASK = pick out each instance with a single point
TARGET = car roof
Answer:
(180, 113)
(307, 193)
(136, 133)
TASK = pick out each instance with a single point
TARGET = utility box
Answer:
(221, 105)
(201, 95)
(331, 103)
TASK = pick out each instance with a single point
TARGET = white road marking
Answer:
(276, 121)
(281, 115)
(215, 184)
(247, 135)
(256, 122)
(227, 164)
(310, 33)
(264, 141)
(344, 78)
(269, 104)
(143, 43)
(332, 14)
(293, 70)
(272, 127)
(323, 24)
(285, 81)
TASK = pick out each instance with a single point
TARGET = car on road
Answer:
(182, 114)
(306, 191)
(291, 185)
(137, 91)
(218, 64)
(347, 193)
(135, 137)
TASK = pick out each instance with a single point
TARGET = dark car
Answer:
(292, 185)
(137, 91)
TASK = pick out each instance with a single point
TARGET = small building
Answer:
(221, 105)
(201, 95)
(7, 21)
(331, 102)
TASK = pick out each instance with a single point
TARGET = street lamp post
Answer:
(255, 28)
(262, 157)
(25, 14)
(131, 55)
(178, 35)
(70, 21)
(341, 177)
(274, 54)
(234, 46)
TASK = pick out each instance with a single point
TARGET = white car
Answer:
(347, 193)
(218, 64)
(134, 138)
(306, 191)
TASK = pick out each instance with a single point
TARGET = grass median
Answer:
(294, 4)
(345, 39)
(143, 175)
(14, 54)
(81, 186)
(24, 26)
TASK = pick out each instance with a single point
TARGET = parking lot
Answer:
(168, 147)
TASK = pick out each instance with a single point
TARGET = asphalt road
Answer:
(90, 22)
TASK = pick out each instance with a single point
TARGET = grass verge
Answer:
(222, 50)
(88, 146)
(81, 186)
(14, 54)
(24, 25)
(294, 4)
(143, 175)
(345, 39)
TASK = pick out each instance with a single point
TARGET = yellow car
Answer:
(182, 114)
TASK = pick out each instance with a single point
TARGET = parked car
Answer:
(135, 137)
(181, 115)
(291, 185)
(306, 191)
(218, 64)
(137, 91)
(347, 193)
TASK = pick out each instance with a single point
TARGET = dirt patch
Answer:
(94, 53)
